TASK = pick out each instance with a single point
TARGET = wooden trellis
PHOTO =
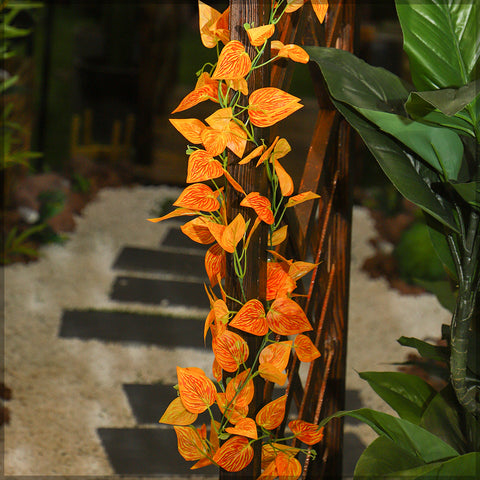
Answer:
(319, 231)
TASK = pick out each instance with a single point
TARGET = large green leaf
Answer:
(412, 438)
(439, 147)
(442, 40)
(406, 172)
(442, 289)
(382, 457)
(426, 350)
(407, 394)
(441, 417)
(470, 192)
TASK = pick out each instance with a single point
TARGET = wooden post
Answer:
(251, 179)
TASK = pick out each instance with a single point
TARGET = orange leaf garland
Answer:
(266, 154)
(178, 212)
(196, 390)
(233, 233)
(177, 414)
(284, 179)
(214, 142)
(215, 263)
(259, 35)
(198, 231)
(304, 348)
(245, 427)
(300, 198)
(286, 317)
(269, 105)
(320, 8)
(213, 25)
(271, 450)
(233, 413)
(217, 371)
(294, 5)
(278, 236)
(306, 432)
(261, 205)
(277, 354)
(190, 444)
(279, 283)
(235, 454)
(299, 269)
(239, 391)
(251, 318)
(220, 119)
(221, 311)
(293, 52)
(254, 153)
(233, 63)
(271, 415)
(198, 197)
(190, 128)
(288, 467)
(207, 92)
(230, 350)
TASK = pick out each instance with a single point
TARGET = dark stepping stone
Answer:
(175, 238)
(132, 327)
(147, 451)
(156, 292)
(158, 261)
(149, 402)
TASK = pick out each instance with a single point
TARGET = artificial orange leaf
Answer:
(281, 149)
(230, 350)
(235, 454)
(284, 179)
(320, 8)
(203, 462)
(277, 354)
(269, 471)
(291, 51)
(233, 233)
(261, 205)
(214, 441)
(239, 85)
(215, 263)
(190, 128)
(221, 311)
(220, 119)
(208, 322)
(233, 182)
(232, 412)
(266, 154)
(300, 198)
(279, 283)
(251, 318)
(190, 444)
(271, 450)
(233, 62)
(177, 414)
(304, 348)
(278, 236)
(306, 432)
(207, 92)
(213, 25)
(286, 317)
(245, 427)
(288, 467)
(214, 141)
(217, 371)
(259, 35)
(198, 197)
(236, 138)
(178, 212)
(254, 227)
(196, 390)
(254, 153)
(198, 231)
(272, 373)
(269, 105)
(299, 269)
(239, 391)
(271, 415)
(294, 5)
(216, 229)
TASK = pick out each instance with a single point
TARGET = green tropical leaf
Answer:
(442, 41)
(441, 418)
(442, 289)
(382, 457)
(407, 394)
(469, 191)
(440, 147)
(412, 438)
(426, 350)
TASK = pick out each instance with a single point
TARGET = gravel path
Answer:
(64, 389)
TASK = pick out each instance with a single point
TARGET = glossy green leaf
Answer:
(382, 457)
(442, 289)
(470, 192)
(441, 39)
(442, 419)
(405, 434)
(439, 147)
(426, 350)
(407, 394)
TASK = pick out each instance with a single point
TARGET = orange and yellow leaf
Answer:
(239, 391)
(320, 8)
(190, 128)
(245, 427)
(286, 317)
(259, 35)
(198, 231)
(288, 467)
(233, 62)
(271, 415)
(306, 432)
(278, 236)
(279, 283)
(300, 198)
(190, 444)
(215, 142)
(294, 5)
(271, 373)
(233, 233)
(277, 354)
(178, 212)
(235, 454)
(261, 205)
(284, 179)
(215, 263)
(213, 25)
(177, 414)
(217, 371)
(253, 154)
(291, 51)
(196, 390)
(198, 197)
(251, 318)
(304, 348)
(232, 412)
(230, 350)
